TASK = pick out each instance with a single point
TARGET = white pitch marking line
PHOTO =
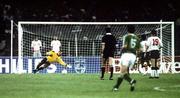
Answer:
(159, 89)
(175, 86)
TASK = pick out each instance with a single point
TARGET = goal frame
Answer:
(20, 33)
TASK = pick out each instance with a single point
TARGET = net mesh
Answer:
(81, 43)
(167, 43)
(89, 36)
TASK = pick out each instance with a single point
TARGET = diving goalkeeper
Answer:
(51, 57)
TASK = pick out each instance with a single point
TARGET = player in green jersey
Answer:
(131, 44)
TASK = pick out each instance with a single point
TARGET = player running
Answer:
(51, 57)
(131, 45)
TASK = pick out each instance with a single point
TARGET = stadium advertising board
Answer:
(79, 65)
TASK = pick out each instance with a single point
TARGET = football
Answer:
(64, 71)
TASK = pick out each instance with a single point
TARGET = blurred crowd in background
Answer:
(85, 10)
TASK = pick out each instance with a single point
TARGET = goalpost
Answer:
(81, 42)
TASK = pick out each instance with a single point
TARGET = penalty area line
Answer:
(159, 89)
(175, 86)
(162, 89)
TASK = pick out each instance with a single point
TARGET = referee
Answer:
(107, 52)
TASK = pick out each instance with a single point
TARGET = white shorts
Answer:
(128, 59)
(37, 54)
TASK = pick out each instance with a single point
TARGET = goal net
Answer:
(81, 42)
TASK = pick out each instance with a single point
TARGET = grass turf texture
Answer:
(85, 86)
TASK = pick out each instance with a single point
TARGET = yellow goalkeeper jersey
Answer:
(54, 57)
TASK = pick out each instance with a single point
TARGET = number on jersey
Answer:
(133, 43)
(155, 42)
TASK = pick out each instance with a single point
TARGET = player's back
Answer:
(154, 43)
(110, 42)
(52, 56)
(131, 43)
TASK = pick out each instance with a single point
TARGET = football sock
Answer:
(102, 72)
(111, 70)
(156, 72)
(38, 66)
(153, 71)
(42, 62)
(127, 78)
(118, 83)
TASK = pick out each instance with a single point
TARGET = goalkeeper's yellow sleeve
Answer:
(60, 61)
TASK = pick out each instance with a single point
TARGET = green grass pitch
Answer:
(86, 86)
